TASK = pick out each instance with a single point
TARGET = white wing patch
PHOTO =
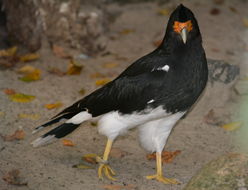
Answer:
(150, 101)
(79, 118)
(164, 68)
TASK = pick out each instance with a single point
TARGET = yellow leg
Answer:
(104, 167)
(159, 176)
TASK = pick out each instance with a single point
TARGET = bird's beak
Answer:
(183, 34)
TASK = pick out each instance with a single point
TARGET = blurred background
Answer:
(54, 52)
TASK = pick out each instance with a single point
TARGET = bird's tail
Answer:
(73, 122)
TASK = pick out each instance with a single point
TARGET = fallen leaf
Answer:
(157, 43)
(126, 31)
(30, 73)
(2, 113)
(21, 98)
(110, 65)
(82, 166)
(167, 157)
(211, 118)
(29, 57)
(60, 52)
(8, 52)
(233, 9)
(118, 153)
(29, 116)
(102, 81)
(90, 158)
(9, 91)
(232, 126)
(17, 135)
(118, 187)
(245, 22)
(74, 68)
(67, 142)
(215, 11)
(94, 124)
(56, 71)
(12, 177)
(82, 91)
(164, 12)
(219, 2)
(97, 75)
(54, 105)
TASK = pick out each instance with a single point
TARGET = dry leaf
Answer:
(60, 52)
(110, 65)
(102, 81)
(97, 75)
(9, 91)
(119, 187)
(233, 9)
(56, 71)
(90, 158)
(30, 73)
(210, 118)
(8, 52)
(164, 12)
(74, 68)
(219, 2)
(29, 57)
(67, 142)
(167, 157)
(17, 135)
(82, 166)
(118, 153)
(21, 98)
(2, 113)
(232, 126)
(82, 91)
(126, 31)
(54, 105)
(29, 116)
(215, 11)
(12, 177)
(245, 22)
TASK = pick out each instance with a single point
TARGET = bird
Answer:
(152, 94)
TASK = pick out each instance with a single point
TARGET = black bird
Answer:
(152, 94)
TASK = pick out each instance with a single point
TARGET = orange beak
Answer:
(183, 28)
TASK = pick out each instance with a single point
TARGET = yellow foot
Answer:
(163, 179)
(109, 173)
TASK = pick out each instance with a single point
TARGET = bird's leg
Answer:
(159, 176)
(104, 166)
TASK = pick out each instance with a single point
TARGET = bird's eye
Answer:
(178, 26)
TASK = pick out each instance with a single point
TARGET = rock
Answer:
(241, 87)
(228, 172)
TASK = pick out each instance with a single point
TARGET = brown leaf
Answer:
(126, 31)
(60, 52)
(67, 142)
(90, 158)
(17, 135)
(82, 91)
(118, 153)
(245, 22)
(215, 11)
(97, 75)
(164, 12)
(102, 81)
(56, 71)
(110, 65)
(29, 57)
(119, 187)
(12, 177)
(211, 119)
(167, 157)
(74, 68)
(54, 105)
(9, 91)
(233, 9)
(218, 2)
(8, 52)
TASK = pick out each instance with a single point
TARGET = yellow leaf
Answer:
(102, 81)
(8, 52)
(67, 142)
(126, 31)
(245, 22)
(82, 166)
(110, 65)
(232, 126)
(97, 75)
(82, 91)
(2, 113)
(29, 57)
(26, 69)
(52, 106)
(29, 116)
(21, 98)
(164, 12)
(33, 76)
(74, 68)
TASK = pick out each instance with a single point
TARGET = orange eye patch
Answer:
(178, 26)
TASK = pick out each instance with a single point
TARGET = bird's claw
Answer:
(163, 179)
(109, 173)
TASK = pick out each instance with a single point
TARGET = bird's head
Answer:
(182, 25)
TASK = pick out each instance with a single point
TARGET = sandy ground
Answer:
(50, 167)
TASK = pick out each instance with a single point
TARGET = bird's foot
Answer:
(105, 168)
(163, 179)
